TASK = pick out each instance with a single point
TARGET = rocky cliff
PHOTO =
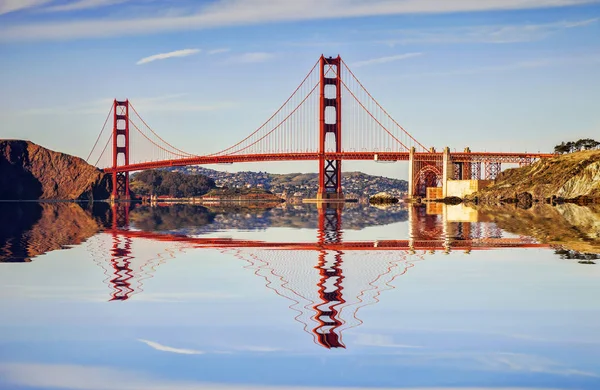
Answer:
(29, 172)
(574, 176)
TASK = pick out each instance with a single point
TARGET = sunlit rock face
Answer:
(584, 183)
(571, 176)
(29, 172)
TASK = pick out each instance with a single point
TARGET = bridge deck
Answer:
(507, 158)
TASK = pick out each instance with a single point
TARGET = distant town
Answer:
(356, 185)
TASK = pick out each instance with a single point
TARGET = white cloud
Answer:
(164, 348)
(7, 6)
(247, 12)
(383, 60)
(515, 66)
(171, 54)
(83, 4)
(218, 51)
(485, 34)
(78, 377)
(255, 57)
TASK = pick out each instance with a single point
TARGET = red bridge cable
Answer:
(278, 125)
(378, 105)
(158, 136)
(104, 150)
(100, 135)
(371, 115)
(272, 116)
(154, 143)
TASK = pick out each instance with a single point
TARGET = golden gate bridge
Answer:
(327, 281)
(330, 117)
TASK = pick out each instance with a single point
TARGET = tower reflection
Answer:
(327, 281)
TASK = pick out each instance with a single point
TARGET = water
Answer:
(182, 297)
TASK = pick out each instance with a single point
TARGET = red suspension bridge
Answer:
(312, 124)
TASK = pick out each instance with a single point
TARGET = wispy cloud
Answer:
(164, 103)
(484, 34)
(165, 348)
(384, 60)
(223, 13)
(255, 57)
(514, 66)
(219, 51)
(83, 4)
(79, 377)
(171, 54)
(7, 6)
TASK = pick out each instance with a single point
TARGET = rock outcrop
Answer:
(383, 198)
(571, 177)
(31, 172)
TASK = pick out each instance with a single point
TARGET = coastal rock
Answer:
(30, 172)
(574, 176)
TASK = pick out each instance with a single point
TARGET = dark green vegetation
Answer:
(582, 144)
(174, 217)
(175, 184)
(582, 258)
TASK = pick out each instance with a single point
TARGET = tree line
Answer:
(174, 184)
(582, 144)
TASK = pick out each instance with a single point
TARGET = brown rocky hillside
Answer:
(569, 176)
(29, 172)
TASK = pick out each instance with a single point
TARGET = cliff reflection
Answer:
(32, 229)
(572, 228)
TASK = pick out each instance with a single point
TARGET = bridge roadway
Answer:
(508, 158)
(380, 245)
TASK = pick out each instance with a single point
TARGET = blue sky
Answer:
(501, 75)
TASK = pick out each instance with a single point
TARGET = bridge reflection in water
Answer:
(327, 281)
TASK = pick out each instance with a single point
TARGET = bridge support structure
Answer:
(120, 138)
(425, 170)
(330, 129)
(454, 174)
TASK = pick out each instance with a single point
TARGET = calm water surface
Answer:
(183, 297)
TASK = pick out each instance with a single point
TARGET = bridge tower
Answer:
(120, 180)
(330, 129)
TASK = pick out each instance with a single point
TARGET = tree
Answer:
(582, 144)
(561, 149)
(173, 184)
